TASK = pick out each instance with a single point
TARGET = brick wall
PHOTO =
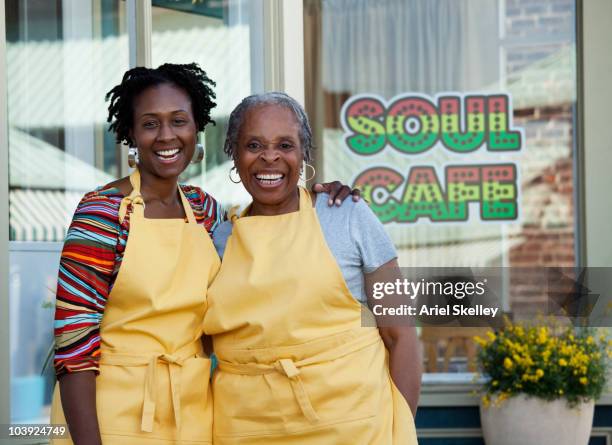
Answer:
(535, 31)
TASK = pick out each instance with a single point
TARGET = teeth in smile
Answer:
(171, 152)
(273, 177)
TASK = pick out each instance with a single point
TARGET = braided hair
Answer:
(190, 77)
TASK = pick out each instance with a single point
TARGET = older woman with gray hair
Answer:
(285, 310)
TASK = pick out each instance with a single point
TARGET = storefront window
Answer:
(62, 57)
(224, 38)
(457, 120)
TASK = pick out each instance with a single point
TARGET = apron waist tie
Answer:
(173, 361)
(291, 369)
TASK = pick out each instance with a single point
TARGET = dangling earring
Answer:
(314, 172)
(198, 154)
(133, 158)
(232, 179)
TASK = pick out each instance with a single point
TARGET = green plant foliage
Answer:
(543, 361)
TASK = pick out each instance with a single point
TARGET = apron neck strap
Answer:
(134, 198)
(187, 207)
(135, 181)
(138, 204)
(305, 200)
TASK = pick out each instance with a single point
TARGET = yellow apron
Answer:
(295, 365)
(154, 377)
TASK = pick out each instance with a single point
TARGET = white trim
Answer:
(273, 45)
(293, 49)
(597, 58)
(139, 26)
(283, 25)
(597, 146)
(139, 20)
(4, 214)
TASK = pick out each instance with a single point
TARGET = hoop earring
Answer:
(314, 172)
(198, 154)
(133, 157)
(232, 179)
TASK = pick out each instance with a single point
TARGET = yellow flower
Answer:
(508, 363)
(480, 341)
(590, 340)
(539, 373)
(560, 392)
(584, 380)
(494, 383)
(491, 336)
(542, 335)
(562, 362)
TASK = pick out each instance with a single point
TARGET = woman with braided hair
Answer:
(133, 276)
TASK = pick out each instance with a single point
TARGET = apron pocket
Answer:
(120, 395)
(346, 389)
(248, 404)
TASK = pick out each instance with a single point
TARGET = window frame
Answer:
(4, 230)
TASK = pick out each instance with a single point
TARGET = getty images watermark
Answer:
(457, 290)
(479, 297)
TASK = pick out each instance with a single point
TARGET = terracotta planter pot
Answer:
(532, 421)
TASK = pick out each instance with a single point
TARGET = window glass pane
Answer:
(497, 193)
(62, 57)
(224, 38)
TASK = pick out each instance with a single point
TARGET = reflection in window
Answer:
(62, 57)
(523, 48)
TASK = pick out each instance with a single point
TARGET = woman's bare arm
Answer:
(405, 358)
(78, 391)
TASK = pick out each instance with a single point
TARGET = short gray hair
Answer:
(236, 120)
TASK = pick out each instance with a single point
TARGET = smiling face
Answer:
(164, 130)
(269, 157)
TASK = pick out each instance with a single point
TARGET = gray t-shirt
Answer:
(354, 235)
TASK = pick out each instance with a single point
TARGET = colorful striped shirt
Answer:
(90, 260)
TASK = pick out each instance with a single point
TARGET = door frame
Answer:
(5, 352)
